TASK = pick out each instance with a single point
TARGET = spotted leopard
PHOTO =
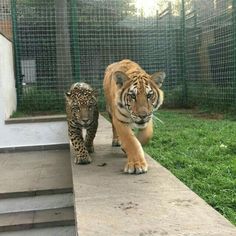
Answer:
(82, 114)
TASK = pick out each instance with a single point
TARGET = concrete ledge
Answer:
(60, 146)
(35, 119)
(31, 193)
(108, 202)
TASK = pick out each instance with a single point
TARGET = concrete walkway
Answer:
(108, 202)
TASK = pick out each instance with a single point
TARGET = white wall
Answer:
(7, 78)
(27, 134)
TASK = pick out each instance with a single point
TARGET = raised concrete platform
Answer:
(108, 202)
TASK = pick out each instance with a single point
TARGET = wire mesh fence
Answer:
(5, 19)
(210, 64)
(58, 42)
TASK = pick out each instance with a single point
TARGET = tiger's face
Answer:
(81, 104)
(139, 96)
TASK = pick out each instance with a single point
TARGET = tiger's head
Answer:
(139, 95)
(81, 103)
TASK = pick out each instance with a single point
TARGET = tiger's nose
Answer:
(143, 115)
(85, 120)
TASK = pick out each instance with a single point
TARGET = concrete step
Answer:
(35, 173)
(109, 202)
(36, 192)
(53, 231)
(37, 219)
(43, 202)
(22, 194)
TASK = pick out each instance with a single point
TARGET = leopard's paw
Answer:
(90, 149)
(136, 167)
(81, 160)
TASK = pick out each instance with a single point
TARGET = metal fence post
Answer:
(234, 49)
(75, 40)
(18, 75)
(63, 44)
(183, 57)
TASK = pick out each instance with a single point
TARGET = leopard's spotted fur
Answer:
(82, 113)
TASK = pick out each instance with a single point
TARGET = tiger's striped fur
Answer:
(132, 96)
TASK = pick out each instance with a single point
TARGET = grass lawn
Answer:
(201, 152)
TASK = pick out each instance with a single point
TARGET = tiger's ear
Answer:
(158, 77)
(120, 77)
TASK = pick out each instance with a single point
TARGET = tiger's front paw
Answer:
(115, 143)
(81, 160)
(136, 167)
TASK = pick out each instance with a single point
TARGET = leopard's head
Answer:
(81, 104)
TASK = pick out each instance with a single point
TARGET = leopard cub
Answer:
(82, 114)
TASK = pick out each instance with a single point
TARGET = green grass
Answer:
(202, 154)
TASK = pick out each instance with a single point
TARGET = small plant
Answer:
(211, 97)
(36, 100)
(174, 97)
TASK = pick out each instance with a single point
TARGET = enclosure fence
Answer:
(58, 42)
(5, 19)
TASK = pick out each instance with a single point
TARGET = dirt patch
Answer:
(199, 114)
(211, 116)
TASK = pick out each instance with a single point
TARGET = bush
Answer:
(38, 100)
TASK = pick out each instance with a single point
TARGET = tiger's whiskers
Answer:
(156, 118)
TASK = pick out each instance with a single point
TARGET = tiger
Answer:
(132, 95)
(82, 114)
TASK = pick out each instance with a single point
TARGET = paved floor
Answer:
(108, 202)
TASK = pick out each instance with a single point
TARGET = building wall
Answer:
(7, 78)
(22, 134)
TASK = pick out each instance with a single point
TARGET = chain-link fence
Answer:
(58, 42)
(210, 54)
(5, 19)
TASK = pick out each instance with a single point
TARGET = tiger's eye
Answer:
(132, 95)
(149, 95)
